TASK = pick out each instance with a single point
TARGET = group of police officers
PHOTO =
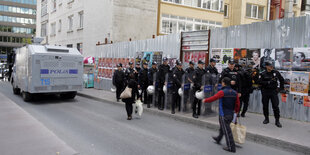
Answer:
(243, 80)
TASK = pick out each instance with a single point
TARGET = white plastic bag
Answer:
(139, 107)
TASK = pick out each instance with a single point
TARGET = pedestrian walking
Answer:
(119, 81)
(229, 103)
(152, 81)
(134, 94)
(163, 70)
(197, 77)
(143, 82)
(269, 87)
(177, 83)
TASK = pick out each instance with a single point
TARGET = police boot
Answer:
(266, 121)
(278, 124)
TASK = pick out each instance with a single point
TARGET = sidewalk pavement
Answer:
(20, 133)
(294, 136)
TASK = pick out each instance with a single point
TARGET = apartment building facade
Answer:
(82, 24)
(17, 25)
(305, 7)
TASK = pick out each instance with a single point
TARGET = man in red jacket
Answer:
(229, 103)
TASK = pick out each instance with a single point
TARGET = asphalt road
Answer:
(96, 128)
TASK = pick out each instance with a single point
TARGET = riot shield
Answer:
(154, 96)
(170, 90)
(216, 87)
(207, 88)
(185, 97)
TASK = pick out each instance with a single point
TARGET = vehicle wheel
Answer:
(16, 91)
(26, 96)
(69, 95)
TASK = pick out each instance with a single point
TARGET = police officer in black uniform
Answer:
(143, 82)
(190, 70)
(232, 73)
(129, 71)
(119, 81)
(246, 88)
(137, 71)
(269, 86)
(177, 83)
(197, 77)
(211, 67)
(161, 76)
(151, 75)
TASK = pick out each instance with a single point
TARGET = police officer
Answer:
(211, 67)
(143, 82)
(119, 81)
(190, 70)
(161, 76)
(129, 71)
(232, 73)
(177, 83)
(197, 79)
(246, 88)
(269, 86)
(137, 70)
(151, 79)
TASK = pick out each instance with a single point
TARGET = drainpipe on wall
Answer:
(268, 10)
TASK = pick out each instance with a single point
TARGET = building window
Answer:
(81, 17)
(59, 25)
(53, 29)
(175, 24)
(54, 5)
(215, 5)
(43, 29)
(79, 46)
(254, 11)
(44, 8)
(70, 22)
(226, 10)
(69, 45)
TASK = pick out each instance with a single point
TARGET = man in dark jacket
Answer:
(143, 82)
(211, 67)
(197, 77)
(269, 86)
(163, 70)
(137, 71)
(130, 70)
(177, 82)
(189, 71)
(229, 103)
(119, 81)
(151, 74)
(232, 73)
(246, 89)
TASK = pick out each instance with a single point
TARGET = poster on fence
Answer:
(301, 59)
(216, 55)
(287, 80)
(227, 54)
(147, 57)
(267, 55)
(306, 101)
(253, 58)
(299, 83)
(240, 56)
(283, 58)
(297, 99)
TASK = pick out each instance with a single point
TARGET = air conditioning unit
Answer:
(295, 2)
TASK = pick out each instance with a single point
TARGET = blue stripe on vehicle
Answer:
(44, 71)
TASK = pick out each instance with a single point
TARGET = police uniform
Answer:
(119, 81)
(210, 69)
(161, 77)
(269, 88)
(137, 71)
(197, 77)
(152, 71)
(246, 89)
(233, 75)
(129, 71)
(177, 83)
(143, 82)
(189, 75)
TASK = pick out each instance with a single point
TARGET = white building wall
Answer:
(117, 20)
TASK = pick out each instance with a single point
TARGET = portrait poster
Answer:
(283, 58)
(306, 101)
(240, 56)
(127, 62)
(132, 60)
(287, 80)
(147, 57)
(216, 54)
(267, 55)
(158, 57)
(299, 83)
(226, 55)
(297, 99)
(253, 58)
(171, 62)
(110, 74)
(119, 60)
(301, 59)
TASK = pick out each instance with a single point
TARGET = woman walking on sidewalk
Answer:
(129, 101)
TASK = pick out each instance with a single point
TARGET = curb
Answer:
(257, 138)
